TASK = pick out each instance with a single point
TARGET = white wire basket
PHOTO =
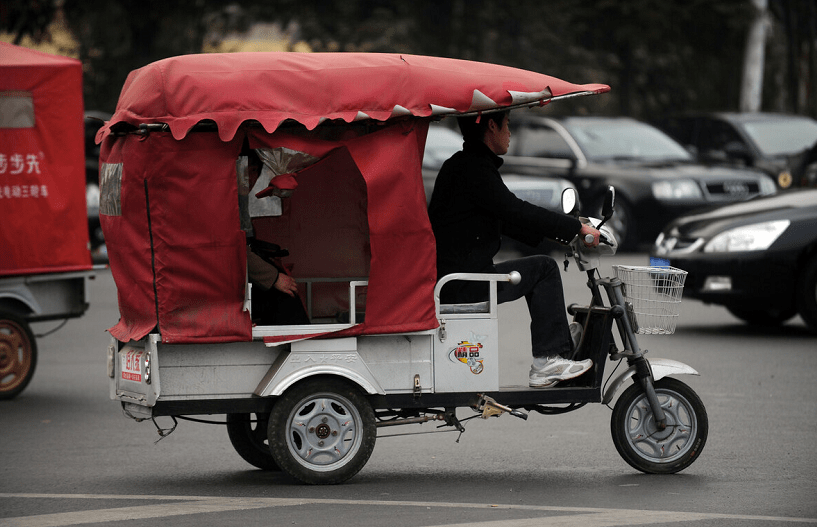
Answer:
(653, 297)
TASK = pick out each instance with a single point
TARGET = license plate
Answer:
(132, 365)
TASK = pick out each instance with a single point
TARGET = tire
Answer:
(322, 431)
(248, 434)
(18, 355)
(649, 450)
(761, 317)
(807, 294)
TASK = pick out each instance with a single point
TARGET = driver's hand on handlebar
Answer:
(589, 230)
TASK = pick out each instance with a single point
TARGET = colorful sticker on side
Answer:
(468, 353)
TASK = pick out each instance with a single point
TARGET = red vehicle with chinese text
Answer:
(44, 251)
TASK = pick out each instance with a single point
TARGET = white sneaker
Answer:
(545, 373)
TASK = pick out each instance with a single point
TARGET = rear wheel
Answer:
(322, 431)
(248, 434)
(807, 294)
(18, 355)
(648, 449)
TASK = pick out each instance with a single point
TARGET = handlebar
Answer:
(588, 238)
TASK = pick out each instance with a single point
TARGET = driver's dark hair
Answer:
(473, 127)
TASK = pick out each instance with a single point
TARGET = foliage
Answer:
(658, 56)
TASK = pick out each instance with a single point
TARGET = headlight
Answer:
(757, 237)
(680, 189)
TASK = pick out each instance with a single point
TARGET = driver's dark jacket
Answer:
(471, 208)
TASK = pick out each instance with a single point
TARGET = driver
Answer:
(470, 209)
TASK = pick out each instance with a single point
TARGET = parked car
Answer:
(93, 122)
(758, 258)
(656, 179)
(778, 144)
(546, 192)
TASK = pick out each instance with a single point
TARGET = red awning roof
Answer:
(312, 87)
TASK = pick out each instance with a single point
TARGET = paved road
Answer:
(69, 457)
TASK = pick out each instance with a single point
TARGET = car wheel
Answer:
(18, 355)
(763, 317)
(807, 294)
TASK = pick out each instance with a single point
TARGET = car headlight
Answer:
(681, 189)
(756, 237)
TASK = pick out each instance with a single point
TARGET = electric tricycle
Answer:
(342, 137)
(45, 262)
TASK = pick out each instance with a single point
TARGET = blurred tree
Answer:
(27, 18)
(658, 56)
(790, 85)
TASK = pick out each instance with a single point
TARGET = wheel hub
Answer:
(323, 431)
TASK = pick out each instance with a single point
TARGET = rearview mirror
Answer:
(570, 200)
(609, 203)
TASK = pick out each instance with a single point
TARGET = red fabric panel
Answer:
(43, 218)
(310, 87)
(197, 265)
(128, 241)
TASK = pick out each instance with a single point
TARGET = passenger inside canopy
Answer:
(316, 208)
(275, 299)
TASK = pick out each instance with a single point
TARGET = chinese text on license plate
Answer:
(131, 366)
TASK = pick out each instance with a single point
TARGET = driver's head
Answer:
(473, 127)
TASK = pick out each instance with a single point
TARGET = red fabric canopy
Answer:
(311, 87)
(176, 248)
(43, 217)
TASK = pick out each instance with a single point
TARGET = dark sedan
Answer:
(758, 258)
(656, 179)
(784, 146)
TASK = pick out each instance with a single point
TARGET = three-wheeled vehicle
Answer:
(45, 260)
(343, 136)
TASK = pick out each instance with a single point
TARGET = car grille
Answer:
(732, 190)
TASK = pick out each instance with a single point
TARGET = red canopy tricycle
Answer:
(344, 135)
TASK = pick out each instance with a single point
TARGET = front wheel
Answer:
(654, 451)
(18, 355)
(322, 431)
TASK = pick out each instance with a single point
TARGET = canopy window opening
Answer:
(321, 232)
(16, 109)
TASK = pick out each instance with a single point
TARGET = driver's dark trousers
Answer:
(541, 286)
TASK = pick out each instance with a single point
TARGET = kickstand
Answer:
(450, 418)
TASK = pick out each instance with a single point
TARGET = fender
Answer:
(19, 294)
(296, 366)
(660, 369)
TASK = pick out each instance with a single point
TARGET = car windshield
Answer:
(781, 137)
(441, 144)
(604, 140)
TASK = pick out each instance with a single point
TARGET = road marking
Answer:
(185, 505)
